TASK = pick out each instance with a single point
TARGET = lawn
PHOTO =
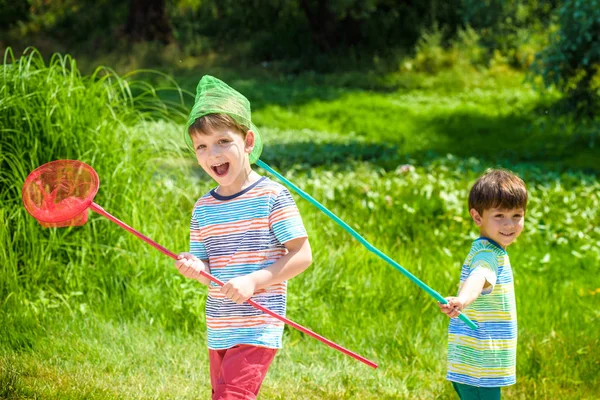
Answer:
(92, 312)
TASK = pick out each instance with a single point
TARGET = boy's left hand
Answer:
(239, 289)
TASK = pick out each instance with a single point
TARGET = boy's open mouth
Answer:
(221, 169)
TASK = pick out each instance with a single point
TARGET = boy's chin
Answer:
(506, 241)
(224, 181)
(220, 181)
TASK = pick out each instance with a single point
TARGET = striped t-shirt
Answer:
(487, 356)
(238, 235)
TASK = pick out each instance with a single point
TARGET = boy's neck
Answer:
(246, 178)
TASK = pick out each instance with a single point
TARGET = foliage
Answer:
(74, 21)
(572, 60)
(93, 312)
(12, 12)
(320, 35)
(311, 30)
(433, 54)
(505, 25)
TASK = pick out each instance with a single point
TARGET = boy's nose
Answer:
(214, 151)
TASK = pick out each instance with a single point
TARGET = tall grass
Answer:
(92, 312)
(48, 112)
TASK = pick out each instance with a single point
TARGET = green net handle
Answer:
(363, 241)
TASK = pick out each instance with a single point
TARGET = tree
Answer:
(572, 60)
(148, 21)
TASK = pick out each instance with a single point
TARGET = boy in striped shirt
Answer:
(246, 232)
(481, 361)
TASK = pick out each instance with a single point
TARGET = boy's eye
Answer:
(200, 147)
(499, 216)
(223, 141)
(517, 216)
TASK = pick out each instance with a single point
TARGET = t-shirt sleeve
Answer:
(196, 245)
(485, 263)
(284, 218)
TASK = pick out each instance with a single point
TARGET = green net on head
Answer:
(213, 96)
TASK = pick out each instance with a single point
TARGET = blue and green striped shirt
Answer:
(487, 356)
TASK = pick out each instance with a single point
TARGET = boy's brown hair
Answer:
(213, 122)
(498, 188)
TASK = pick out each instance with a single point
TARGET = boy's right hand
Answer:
(190, 266)
(453, 308)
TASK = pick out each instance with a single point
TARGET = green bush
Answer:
(434, 52)
(572, 60)
(505, 25)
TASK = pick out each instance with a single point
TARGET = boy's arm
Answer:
(298, 259)
(469, 292)
(482, 278)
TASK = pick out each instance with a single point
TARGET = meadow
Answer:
(92, 312)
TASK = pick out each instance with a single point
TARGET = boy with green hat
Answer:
(246, 232)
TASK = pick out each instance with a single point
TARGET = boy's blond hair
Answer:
(498, 188)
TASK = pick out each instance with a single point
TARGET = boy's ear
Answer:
(476, 217)
(249, 142)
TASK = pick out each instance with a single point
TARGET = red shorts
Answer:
(238, 372)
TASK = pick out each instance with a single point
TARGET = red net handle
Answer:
(95, 207)
(59, 193)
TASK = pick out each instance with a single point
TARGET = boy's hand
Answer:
(453, 308)
(189, 265)
(239, 289)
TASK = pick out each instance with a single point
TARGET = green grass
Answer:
(93, 312)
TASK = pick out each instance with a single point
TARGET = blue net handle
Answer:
(363, 241)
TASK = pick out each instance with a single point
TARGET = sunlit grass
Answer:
(93, 312)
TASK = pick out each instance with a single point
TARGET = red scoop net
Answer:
(58, 193)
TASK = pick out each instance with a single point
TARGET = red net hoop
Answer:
(58, 193)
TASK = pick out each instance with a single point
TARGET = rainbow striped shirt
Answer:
(487, 356)
(238, 235)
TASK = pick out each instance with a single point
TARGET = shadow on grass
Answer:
(327, 154)
(551, 144)
(548, 142)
